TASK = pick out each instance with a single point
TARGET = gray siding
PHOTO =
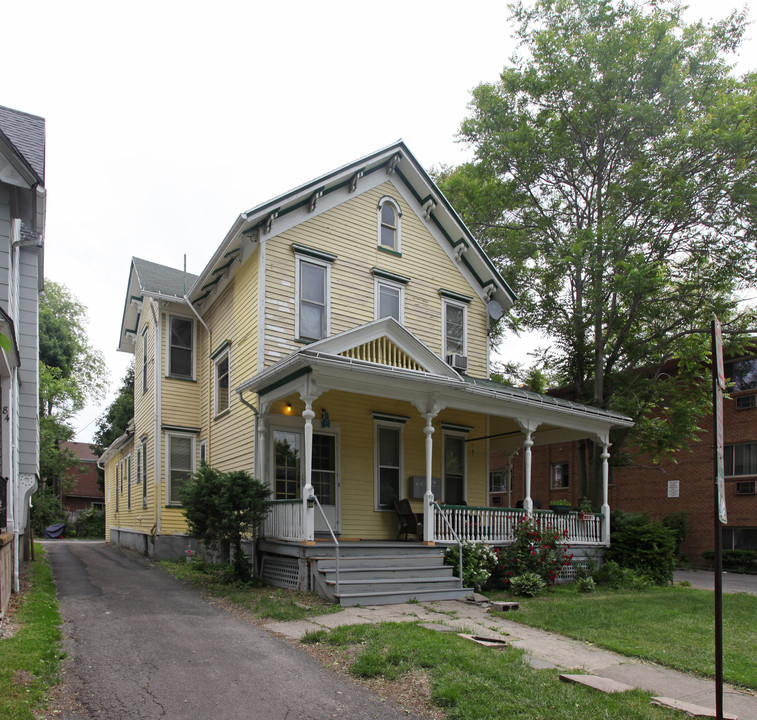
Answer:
(28, 341)
(5, 243)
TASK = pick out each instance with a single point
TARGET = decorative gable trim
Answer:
(383, 352)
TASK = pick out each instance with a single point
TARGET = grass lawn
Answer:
(263, 602)
(30, 659)
(672, 626)
(471, 682)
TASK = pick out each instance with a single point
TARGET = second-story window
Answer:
(389, 300)
(181, 347)
(389, 215)
(454, 328)
(222, 382)
(144, 360)
(313, 305)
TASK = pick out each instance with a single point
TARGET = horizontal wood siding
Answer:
(352, 415)
(350, 232)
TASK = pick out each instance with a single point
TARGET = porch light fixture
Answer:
(288, 409)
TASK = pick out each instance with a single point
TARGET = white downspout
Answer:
(158, 438)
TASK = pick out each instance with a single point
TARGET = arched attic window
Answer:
(389, 215)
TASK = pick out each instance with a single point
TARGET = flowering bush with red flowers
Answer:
(541, 550)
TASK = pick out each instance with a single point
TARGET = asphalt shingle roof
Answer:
(162, 279)
(27, 135)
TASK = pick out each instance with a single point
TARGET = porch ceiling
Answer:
(310, 373)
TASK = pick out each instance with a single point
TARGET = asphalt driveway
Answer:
(142, 645)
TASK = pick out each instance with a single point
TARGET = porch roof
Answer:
(320, 367)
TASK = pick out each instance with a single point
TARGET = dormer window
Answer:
(389, 215)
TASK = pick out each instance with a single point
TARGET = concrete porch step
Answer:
(394, 597)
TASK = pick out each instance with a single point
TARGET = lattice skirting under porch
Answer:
(281, 571)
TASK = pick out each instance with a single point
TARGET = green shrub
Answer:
(89, 524)
(586, 585)
(612, 575)
(678, 522)
(646, 547)
(478, 562)
(529, 584)
(738, 560)
(47, 509)
(542, 551)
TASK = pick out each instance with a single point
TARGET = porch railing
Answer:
(497, 525)
(284, 520)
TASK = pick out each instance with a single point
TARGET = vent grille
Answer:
(746, 401)
(745, 488)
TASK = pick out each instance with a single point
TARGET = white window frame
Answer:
(381, 282)
(446, 304)
(128, 481)
(398, 225)
(327, 295)
(398, 424)
(203, 452)
(217, 391)
(193, 361)
(144, 361)
(192, 452)
(458, 435)
(143, 448)
(118, 469)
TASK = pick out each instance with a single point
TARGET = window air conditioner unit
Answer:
(459, 362)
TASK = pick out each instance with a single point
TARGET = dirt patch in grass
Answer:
(411, 691)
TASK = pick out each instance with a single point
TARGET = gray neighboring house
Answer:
(22, 227)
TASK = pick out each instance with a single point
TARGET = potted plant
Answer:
(560, 507)
(585, 510)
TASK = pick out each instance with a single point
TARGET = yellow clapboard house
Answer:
(336, 345)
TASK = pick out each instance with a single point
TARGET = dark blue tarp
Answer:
(55, 531)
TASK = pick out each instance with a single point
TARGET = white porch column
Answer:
(528, 503)
(428, 497)
(605, 493)
(308, 509)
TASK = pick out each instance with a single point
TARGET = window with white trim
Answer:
(118, 478)
(286, 465)
(312, 290)
(144, 472)
(181, 464)
(128, 482)
(221, 371)
(454, 468)
(203, 451)
(389, 461)
(740, 459)
(454, 327)
(390, 297)
(138, 477)
(559, 476)
(389, 215)
(144, 360)
(181, 347)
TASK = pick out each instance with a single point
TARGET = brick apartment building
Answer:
(85, 492)
(685, 485)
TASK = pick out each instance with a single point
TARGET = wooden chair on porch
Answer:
(410, 522)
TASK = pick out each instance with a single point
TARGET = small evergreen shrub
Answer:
(542, 551)
(89, 523)
(646, 547)
(679, 524)
(739, 560)
(612, 575)
(478, 562)
(528, 585)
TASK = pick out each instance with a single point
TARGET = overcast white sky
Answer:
(167, 119)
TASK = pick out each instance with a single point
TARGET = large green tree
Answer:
(71, 373)
(614, 183)
(114, 421)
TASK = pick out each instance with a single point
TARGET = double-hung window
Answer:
(144, 360)
(389, 294)
(181, 464)
(181, 347)
(128, 482)
(221, 379)
(143, 448)
(454, 467)
(454, 328)
(389, 460)
(312, 291)
(389, 215)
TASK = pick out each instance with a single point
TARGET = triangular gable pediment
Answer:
(384, 342)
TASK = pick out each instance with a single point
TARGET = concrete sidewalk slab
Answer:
(543, 648)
